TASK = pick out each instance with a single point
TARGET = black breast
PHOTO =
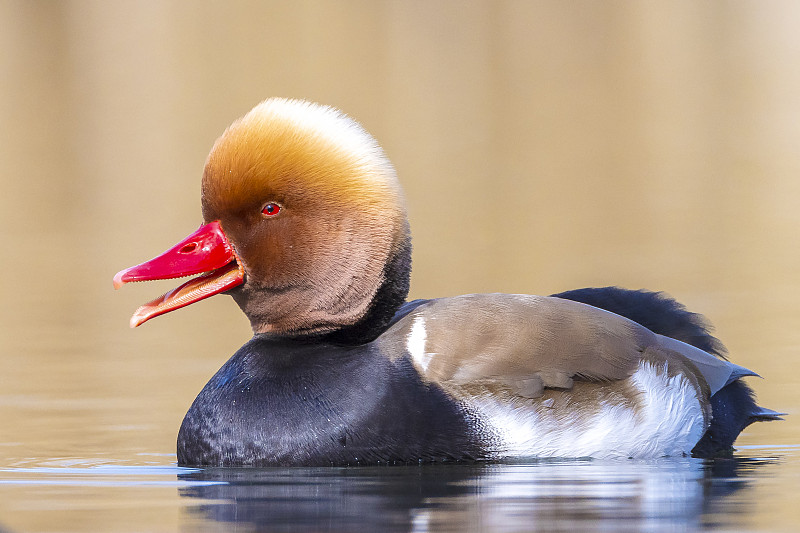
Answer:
(279, 402)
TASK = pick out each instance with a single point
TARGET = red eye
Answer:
(271, 209)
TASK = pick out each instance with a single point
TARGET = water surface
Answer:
(670, 494)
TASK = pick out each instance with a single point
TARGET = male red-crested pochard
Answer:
(305, 227)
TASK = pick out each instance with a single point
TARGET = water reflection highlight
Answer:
(554, 495)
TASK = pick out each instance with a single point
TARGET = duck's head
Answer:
(305, 227)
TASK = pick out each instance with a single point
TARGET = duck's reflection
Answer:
(555, 496)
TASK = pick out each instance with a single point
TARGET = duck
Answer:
(305, 226)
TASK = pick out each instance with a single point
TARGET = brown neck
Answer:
(390, 296)
(357, 319)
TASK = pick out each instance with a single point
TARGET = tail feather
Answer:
(762, 414)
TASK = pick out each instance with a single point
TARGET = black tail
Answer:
(733, 407)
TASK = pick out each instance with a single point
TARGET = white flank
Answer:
(415, 342)
(666, 420)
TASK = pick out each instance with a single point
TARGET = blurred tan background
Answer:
(542, 145)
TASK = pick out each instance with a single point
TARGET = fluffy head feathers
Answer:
(319, 263)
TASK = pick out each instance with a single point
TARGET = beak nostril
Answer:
(188, 248)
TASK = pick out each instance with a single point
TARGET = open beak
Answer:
(207, 252)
